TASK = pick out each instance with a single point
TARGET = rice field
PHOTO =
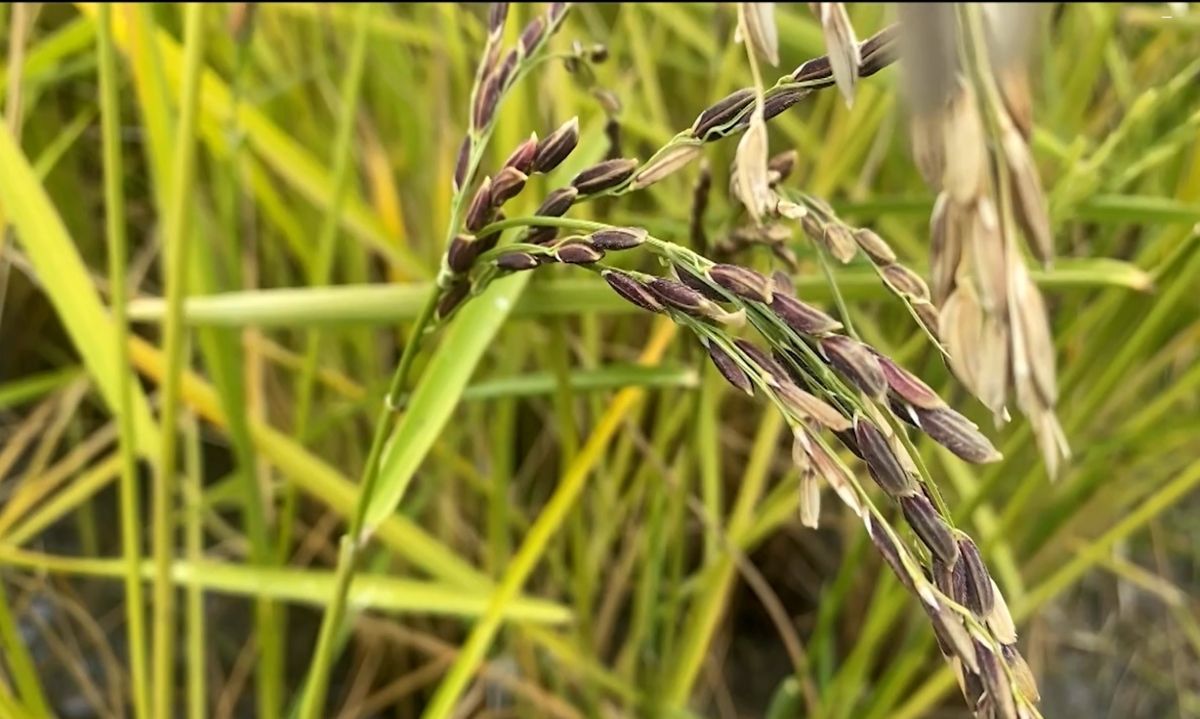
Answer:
(581, 360)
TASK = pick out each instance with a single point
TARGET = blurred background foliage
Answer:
(681, 581)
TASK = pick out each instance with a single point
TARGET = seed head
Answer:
(728, 367)
(856, 362)
(532, 35)
(978, 583)
(908, 386)
(485, 103)
(507, 184)
(488, 242)
(840, 242)
(462, 253)
(743, 282)
(578, 253)
(557, 202)
(522, 157)
(844, 57)
(617, 238)
(480, 211)
(750, 183)
(497, 14)
(632, 290)
(957, 434)
(881, 460)
(930, 527)
(875, 246)
(777, 103)
(516, 261)
(604, 176)
(905, 282)
(776, 375)
(999, 691)
(693, 280)
(953, 639)
(679, 296)
(807, 405)
(879, 50)
(721, 113)
(810, 498)
(504, 74)
(460, 165)
(1023, 675)
(803, 319)
(557, 11)
(556, 146)
(813, 71)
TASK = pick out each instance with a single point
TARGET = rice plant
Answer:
(750, 359)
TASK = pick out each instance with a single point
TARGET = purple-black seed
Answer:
(729, 368)
(462, 253)
(604, 176)
(722, 112)
(516, 261)
(507, 184)
(452, 297)
(763, 360)
(578, 253)
(881, 460)
(556, 146)
(532, 35)
(460, 165)
(802, 318)
(617, 238)
(929, 527)
(632, 290)
(480, 211)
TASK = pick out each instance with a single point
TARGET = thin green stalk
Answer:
(312, 703)
(343, 152)
(174, 254)
(194, 550)
(114, 206)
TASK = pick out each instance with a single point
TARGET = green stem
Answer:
(342, 154)
(174, 253)
(114, 206)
